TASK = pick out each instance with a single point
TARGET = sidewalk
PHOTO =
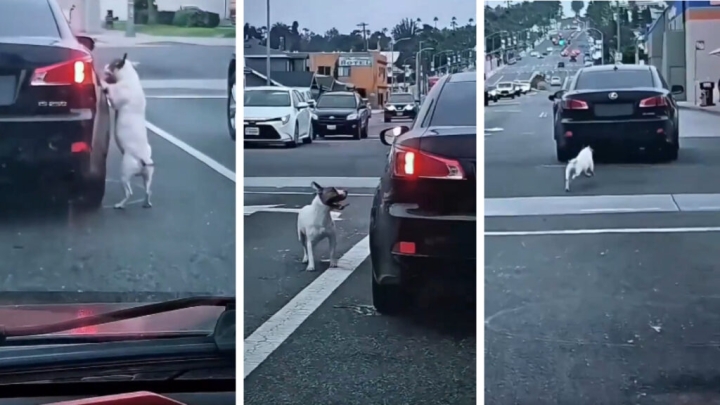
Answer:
(686, 105)
(117, 39)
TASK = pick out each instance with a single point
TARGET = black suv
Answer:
(341, 113)
(400, 105)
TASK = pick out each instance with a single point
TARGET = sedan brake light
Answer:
(657, 101)
(74, 72)
(575, 105)
(411, 163)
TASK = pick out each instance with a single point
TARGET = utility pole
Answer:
(364, 32)
(130, 24)
(618, 32)
(267, 46)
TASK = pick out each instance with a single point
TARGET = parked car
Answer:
(276, 115)
(505, 90)
(555, 81)
(54, 123)
(400, 105)
(490, 95)
(231, 103)
(424, 213)
(613, 106)
(341, 113)
(523, 85)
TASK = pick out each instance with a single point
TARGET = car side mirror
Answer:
(86, 41)
(387, 136)
(302, 105)
(677, 89)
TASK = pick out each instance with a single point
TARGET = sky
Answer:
(321, 15)
(567, 10)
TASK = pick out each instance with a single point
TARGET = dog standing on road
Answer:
(125, 93)
(315, 222)
(583, 163)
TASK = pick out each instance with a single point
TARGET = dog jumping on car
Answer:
(315, 222)
(583, 163)
(124, 91)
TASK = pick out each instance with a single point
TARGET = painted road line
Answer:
(601, 204)
(186, 84)
(606, 231)
(304, 182)
(271, 334)
(229, 174)
(543, 114)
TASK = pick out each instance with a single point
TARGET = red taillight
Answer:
(74, 72)
(87, 330)
(658, 101)
(412, 163)
(571, 104)
(79, 147)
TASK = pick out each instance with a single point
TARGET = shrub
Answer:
(141, 17)
(165, 17)
(213, 19)
(190, 18)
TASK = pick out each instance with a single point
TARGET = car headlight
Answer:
(390, 108)
(313, 116)
(409, 107)
(285, 119)
(352, 117)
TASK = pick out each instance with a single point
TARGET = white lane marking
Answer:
(543, 115)
(709, 229)
(506, 111)
(493, 129)
(251, 209)
(271, 334)
(620, 210)
(229, 174)
(300, 193)
(189, 96)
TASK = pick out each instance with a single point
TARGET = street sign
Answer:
(700, 45)
(618, 56)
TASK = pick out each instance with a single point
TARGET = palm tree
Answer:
(435, 20)
(471, 21)
(453, 22)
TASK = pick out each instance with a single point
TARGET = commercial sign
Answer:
(355, 61)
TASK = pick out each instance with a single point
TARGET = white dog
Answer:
(125, 93)
(583, 163)
(315, 223)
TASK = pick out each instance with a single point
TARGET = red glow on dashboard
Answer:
(87, 330)
(133, 398)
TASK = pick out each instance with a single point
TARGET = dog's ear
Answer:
(122, 61)
(317, 187)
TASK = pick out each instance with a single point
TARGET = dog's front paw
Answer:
(333, 263)
(310, 268)
(119, 206)
(304, 259)
(147, 205)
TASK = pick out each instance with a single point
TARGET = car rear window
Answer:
(27, 18)
(614, 79)
(336, 101)
(456, 105)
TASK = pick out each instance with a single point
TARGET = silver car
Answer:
(555, 81)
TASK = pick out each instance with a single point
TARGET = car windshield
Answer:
(267, 98)
(614, 79)
(401, 98)
(88, 225)
(336, 101)
(504, 85)
(456, 105)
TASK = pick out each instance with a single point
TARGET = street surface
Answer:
(524, 68)
(301, 348)
(608, 294)
(185, 244)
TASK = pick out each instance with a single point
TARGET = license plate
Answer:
(332, 127)
(613, 110)
(7, 90)
(399, 114)
(254, 131)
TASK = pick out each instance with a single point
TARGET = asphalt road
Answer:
(601, 295)
(184, 245)
(342, 350)
(527, 66)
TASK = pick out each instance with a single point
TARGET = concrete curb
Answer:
(698, 108)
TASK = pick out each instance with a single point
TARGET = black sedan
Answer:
(614, 106)
(231, 106)
(423, 216)
(54, 116)
(401, 106)
(341, 113)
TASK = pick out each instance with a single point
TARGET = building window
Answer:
(344, 71)
(324, 70)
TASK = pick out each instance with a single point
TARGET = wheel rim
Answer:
(232, 107)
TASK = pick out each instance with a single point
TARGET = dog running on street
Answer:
(126, 96)
(315, 222)
(583, 163)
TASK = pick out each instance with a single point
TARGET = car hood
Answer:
(334, 111)
(183, 320)
(265, 112)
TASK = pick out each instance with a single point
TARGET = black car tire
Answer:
(387, 119)
(296, 137)
(229, 102)
(89, 194)
(310, 136)
(364, 131)
(512, 96)
(486, 102)
(358, 135)
(563, 153)
(389, 299)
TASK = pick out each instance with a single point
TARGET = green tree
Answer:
(577, 7)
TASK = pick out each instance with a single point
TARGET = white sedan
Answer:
(276, 115)
(555, 81)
